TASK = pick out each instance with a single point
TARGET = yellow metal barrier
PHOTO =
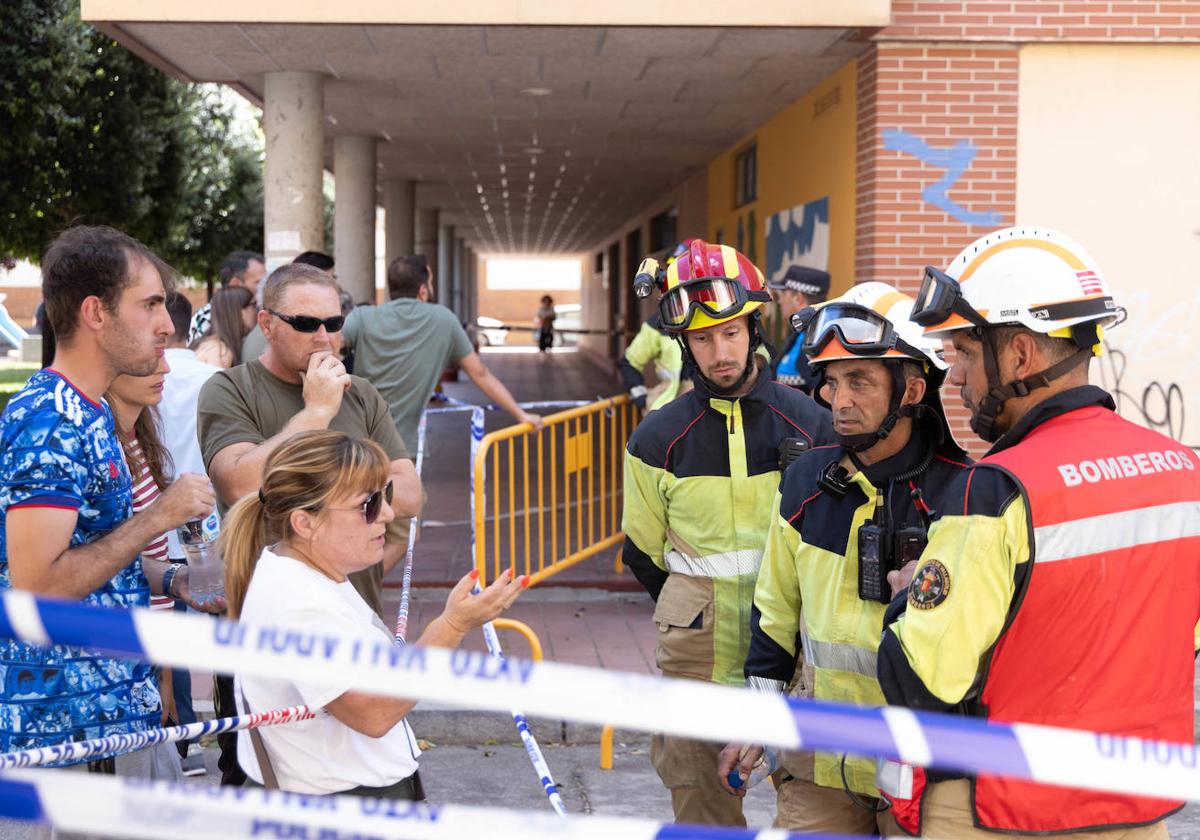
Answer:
(535, 644)
(555, 494)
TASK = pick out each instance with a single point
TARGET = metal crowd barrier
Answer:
(554, 496)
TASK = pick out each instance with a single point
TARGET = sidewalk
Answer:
(442, 553)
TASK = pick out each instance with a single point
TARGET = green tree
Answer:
(94, 134)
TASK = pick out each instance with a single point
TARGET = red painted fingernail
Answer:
(473, 574)
(524, 581)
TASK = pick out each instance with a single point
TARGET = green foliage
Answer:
(93, 134)
(12, 378)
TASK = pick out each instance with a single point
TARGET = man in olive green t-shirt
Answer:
(298, 384)
(402, 347)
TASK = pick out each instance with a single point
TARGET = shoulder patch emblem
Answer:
(930, 586)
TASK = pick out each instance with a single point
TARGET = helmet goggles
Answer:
(860, 330)
(718, 297)
(939, 298)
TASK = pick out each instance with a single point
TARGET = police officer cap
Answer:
(805, 280)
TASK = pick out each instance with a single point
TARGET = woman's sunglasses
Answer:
(309, 324)
(374, 503)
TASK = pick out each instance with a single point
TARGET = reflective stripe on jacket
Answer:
(700, 476)
(1082, 615)
(810, 569)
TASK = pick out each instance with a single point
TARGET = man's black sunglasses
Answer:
(309, 324)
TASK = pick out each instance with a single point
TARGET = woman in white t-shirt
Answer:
(321, 515)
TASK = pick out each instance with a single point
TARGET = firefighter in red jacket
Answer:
(1062, 587)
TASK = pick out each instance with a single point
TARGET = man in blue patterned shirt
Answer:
(65, 492)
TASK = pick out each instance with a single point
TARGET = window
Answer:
(663, 230)
(745, 186)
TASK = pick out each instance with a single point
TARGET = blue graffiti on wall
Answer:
(954, 160)
(787, 242)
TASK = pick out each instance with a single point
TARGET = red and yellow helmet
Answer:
(709, 285)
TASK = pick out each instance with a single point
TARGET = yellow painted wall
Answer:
(1107, 153)
(805, 152)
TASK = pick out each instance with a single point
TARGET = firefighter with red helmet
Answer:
(1061, 585)
(700, 475)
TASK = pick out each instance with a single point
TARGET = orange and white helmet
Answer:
(1028, 276)
(870, 321)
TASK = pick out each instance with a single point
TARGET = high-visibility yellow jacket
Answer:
(700, 474)
(651, 345)
(810, 569)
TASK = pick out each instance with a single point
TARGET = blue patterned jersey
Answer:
(60, 449)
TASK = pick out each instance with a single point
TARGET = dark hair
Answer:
(180, 310)
(406, 276)
(155, 455)
(235, 265)
(226, 322)
(316, 259)
(90, 261)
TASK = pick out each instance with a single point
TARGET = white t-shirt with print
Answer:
(321, 755)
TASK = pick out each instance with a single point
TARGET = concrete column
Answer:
(445, 265)
(460, 279)
(399, 219)
(472, 293)
(427, 235)
(293, 206)
(354, 215)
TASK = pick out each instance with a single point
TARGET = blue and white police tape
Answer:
(532, 749)
(76, 751)
(94, 804)
(455, 405)
(406, 585)
(688, 708)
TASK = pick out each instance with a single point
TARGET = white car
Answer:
(566, 317)
(490, 332)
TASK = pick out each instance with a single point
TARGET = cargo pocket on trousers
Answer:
(684, 618)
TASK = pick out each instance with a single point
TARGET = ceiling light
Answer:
(533, 150)
(504, 182)
(502, 169)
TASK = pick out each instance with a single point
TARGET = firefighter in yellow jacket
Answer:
(700, 474)
(845, 516)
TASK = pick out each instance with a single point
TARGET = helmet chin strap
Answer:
(983, 419)
(712, 387)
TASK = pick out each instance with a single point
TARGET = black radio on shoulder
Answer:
(835, 480)
(881, 551)
(789, 450)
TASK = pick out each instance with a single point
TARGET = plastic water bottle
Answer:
(206, 569)
(764, 767)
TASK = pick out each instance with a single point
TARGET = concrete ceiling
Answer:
(533, 138)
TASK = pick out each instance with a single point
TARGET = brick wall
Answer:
(936, 160)
(1043, 20)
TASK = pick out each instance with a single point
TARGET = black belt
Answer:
(409, 788)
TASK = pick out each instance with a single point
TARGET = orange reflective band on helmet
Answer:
(1059, 251)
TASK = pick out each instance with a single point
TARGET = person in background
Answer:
(544, 323)
(799, 287)
(232, 316)
(255, 342)
(241, 268)
(177, 413)
(653, 344)
(134, 401)
(319, 516)
(402, 347)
